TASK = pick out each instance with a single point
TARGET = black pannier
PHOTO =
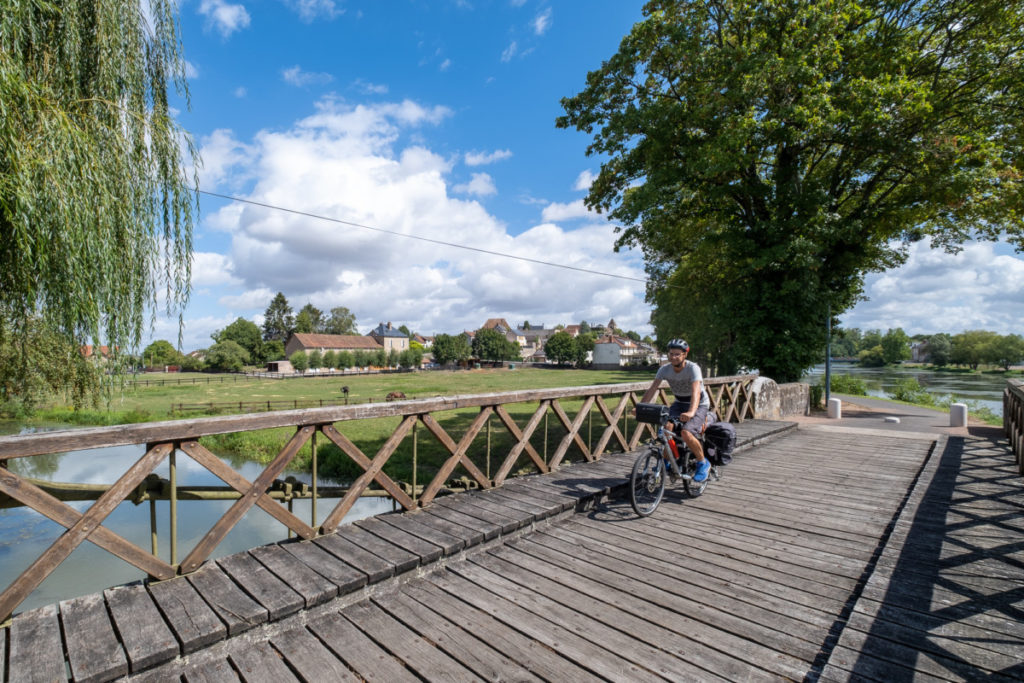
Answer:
(650, 413)
(720, 438)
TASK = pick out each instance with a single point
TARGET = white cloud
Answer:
(563, 212)
(296, 76)
(211, 269)
(224, 17)
(510, 52)
(222, 155)
(191, 71)
(584, 180)
(369, 88)
(482, 158)
(481, 185)
(445, 65)
(982, 287)
(241, 92)
(355, 163)
(542, 22)
(310, 10)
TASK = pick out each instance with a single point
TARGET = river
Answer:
(25, 534)
(984, 389)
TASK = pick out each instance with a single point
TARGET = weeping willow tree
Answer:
(96, 206)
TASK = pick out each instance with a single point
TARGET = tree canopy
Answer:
(340, 321)
(246, 334)
(490, 344)
(278, 321)
(766, 156)
(451, 348)
(96, 206)
(309, 320)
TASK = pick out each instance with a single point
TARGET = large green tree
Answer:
(340, 321)
(490, 344)
(96, 206)
(278, 321)
(451, 348)
(768, 155)
(309, 320)
(246, 334)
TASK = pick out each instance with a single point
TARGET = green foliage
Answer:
(227, 356)
(410, 358)
(299, 361)
(846, 384)
(278, 321)
(340, 321)
(873, 357)
(161, 353)
(361, 358)
(309, 320)
(380, 358)
(247, 335)
(450, 348)
(775, 153)
(561, 348)
(817, 392)
(330, 359)
(393, 358)
(96, 211)
(344, 360)
(492, 345)
(939, 349)
(973, 348)
(895, 346)
(316, 359)
(909, 390)
(273, 350)
(1007, 350)
(193, 364)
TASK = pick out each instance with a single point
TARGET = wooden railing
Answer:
(163, 440)
(1013, 419)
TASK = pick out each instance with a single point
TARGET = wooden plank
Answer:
(364, 656)
(260, 663)
(229, 519)
(311, 586)
(94, 653)
(474, 653)
(426, 551)
(488, 529)
(402, 560)
(237, 610)
(530, 484)
(36, 653)
(260, 583)
(308, 656)
(505, 519)
(449, 544)
(146, 637)
(422, 657)
(346, 577)
(194, 623)
(541, 508)
(469, 537)
(218, 671)
(374, 568)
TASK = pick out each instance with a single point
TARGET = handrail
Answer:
(731, 399)
(1013, 419)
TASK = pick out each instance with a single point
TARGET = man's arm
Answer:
(651, 390)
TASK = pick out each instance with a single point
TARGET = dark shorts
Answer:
(695, 423)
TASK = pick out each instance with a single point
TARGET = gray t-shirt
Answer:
(681, 382)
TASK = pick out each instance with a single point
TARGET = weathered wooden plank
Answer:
(375, 568)
(487, 529)
(469, 537)
(259, 663)
(420, 656)
(346, 577)
(544, 661)
(364, 656)
(513, 504)
(541, 508)
(3, 653)
(261, 584)
(307, 655)
(146, 637)
(503, 518)
(474, 653)
(449, 544)
(194, 623)
(426, 551)
(530, 484)
(94, 653)
(36, 652)
(402, 560)
(219, 671)
(311, 586)
(235, 608)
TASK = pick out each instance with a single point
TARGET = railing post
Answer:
(313, 464)
(488, 447)
(173, 478)
(152, 526)
(415, 444)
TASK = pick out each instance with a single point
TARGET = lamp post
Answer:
(828, 352)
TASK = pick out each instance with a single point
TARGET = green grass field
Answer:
(153, 402)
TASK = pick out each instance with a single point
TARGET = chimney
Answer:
(389, 324)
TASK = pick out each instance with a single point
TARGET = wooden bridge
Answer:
(824, 553)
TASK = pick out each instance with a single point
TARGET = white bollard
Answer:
(835, 409)
(958, 415)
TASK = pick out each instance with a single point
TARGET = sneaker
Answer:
(703, 467)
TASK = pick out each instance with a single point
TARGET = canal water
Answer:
(25, 534)
(982, 388)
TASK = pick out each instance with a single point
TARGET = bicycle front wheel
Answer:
(647, 483)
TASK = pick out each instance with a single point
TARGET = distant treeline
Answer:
(969, 349)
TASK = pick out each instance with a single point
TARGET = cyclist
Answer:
(685, 380)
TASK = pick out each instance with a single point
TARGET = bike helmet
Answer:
(678, 344)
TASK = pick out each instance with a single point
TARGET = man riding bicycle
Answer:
(685, 380)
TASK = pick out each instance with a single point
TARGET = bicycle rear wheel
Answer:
(647, 483)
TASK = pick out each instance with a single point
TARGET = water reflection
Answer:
(25, 534)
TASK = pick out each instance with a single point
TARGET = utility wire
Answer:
(417, 237)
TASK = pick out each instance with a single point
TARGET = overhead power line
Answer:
(418, 237)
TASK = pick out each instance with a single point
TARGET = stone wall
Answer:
(774, 401)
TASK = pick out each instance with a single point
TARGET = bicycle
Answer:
(664, 458)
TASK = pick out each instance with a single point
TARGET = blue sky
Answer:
(437, 119)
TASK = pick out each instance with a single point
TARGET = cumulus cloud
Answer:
(310, 10)
(584, 180)
(296, 76)
(982, 287)
(481, 185)
(483, 158)
(223, 17)
(369, 88)
(211, 269)
(562, 212)
(542, 22)
(357, 164)
(222, 156)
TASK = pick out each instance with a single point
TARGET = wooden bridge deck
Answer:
(821, 555)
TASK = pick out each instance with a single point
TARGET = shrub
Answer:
(911, 391)
(845, 384)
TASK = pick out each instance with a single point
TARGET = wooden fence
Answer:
(1013, 419)
(730, 396)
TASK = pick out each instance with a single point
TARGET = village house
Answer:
(330, 342)
(613, 351)
(390, 338)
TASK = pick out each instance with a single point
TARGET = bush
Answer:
(844, 384)
(911, 391)
(817, 393)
